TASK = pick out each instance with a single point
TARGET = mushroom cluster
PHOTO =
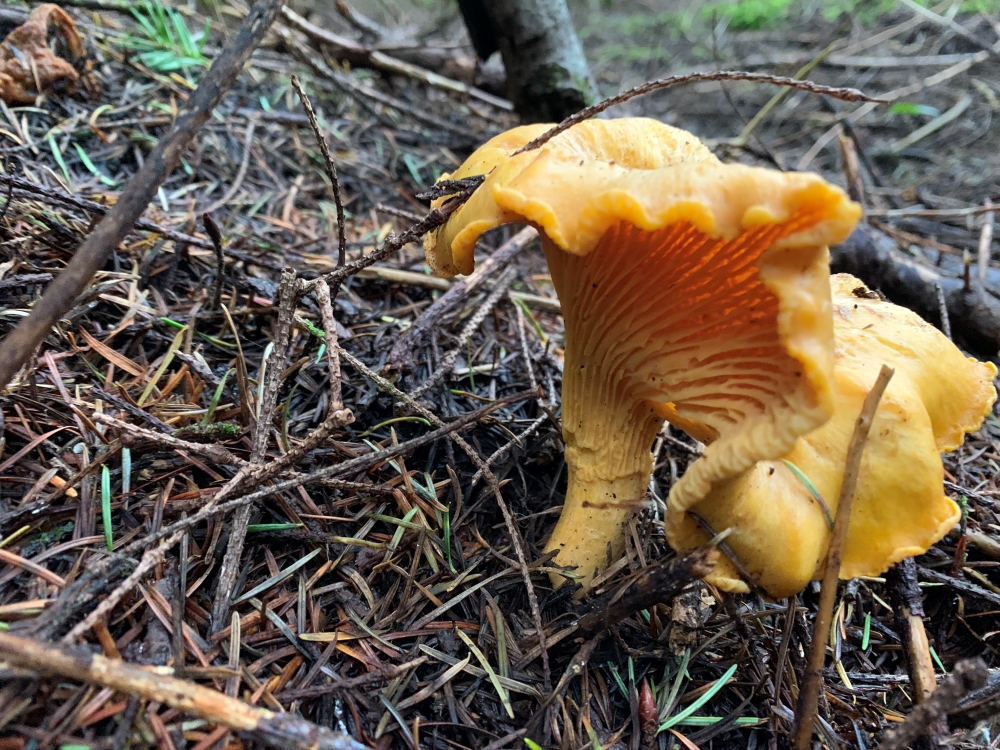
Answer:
(691, 290)
(776, 509)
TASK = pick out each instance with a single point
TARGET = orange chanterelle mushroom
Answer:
(691, 290)
(775, 510)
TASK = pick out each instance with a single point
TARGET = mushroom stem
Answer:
(590, 534)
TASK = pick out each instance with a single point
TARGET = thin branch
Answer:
(332, 345)
(844, 94)
(904, 592)
(212, 230)
(287, 298)
(215, 452)
(813, 678)
(434, 218)
(331, 172)
(401, 355)
(149, 560)
(448, 361)
(285, 731)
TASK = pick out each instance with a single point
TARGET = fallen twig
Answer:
(60, 295)
(903, 588)
(331, 171)
(215, 452)
(255, 471)
(324, 298)
(813, 677)
(360, 55)
(152, 558)
(285, 731)
(434, 218)
(472, 325)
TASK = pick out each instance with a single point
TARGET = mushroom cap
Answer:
(936, 396)
(636, 170)
(691, 290)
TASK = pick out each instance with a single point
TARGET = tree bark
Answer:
(547, 75)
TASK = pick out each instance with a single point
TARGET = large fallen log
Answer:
(973, 310)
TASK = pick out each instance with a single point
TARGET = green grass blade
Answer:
(699, 702)
(57, 155)
(490, 672)
(106, 506)
(801, 476)
(531, 319)
(618, 679)
(216, 398)
(186, 43)
(85, 160)
(143, 21)
(446, 532)
(278, 578)
(707, 721)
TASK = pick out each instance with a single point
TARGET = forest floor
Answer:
(386, 596)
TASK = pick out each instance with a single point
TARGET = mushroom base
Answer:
(590, 533)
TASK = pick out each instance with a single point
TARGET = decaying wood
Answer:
(284, 731)
(901, 580)
(359, 54)
(903, 588)
(967, 676)
(973, 310)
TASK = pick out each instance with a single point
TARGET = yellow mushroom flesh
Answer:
(936, 396)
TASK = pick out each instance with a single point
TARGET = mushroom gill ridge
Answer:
(676, 324)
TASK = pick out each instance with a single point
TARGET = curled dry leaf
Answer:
(29, 66)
